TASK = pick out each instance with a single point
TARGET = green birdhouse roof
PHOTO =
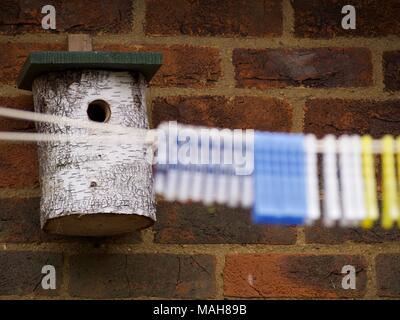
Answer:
(38, 63)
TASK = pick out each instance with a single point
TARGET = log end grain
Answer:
(94, 225)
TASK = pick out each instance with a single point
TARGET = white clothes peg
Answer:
(332, 211)
(360, 211)
(313, 211)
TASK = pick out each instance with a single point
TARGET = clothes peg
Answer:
(210, 180)
(360, 210)
(200, 174)
(275, 175)
(263, 178)
(287, 199)
(223, 179)
(234, 180)
(390, 211)
(332, 212)
(222, 186)
(247, 179)
(296, 207)
(351, 180)
(198, 181)
(313, 205)
(368, 171)
(398, 173)
(279, 176)
(161, 160)
(171, 188)
(346, 181)
(171, 185)
(188, 166)
(159, 179)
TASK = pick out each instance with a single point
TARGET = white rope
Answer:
(75, 138)
(128, 134)
(78, 123)
(135, 134)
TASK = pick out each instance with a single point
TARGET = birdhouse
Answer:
(92, 189)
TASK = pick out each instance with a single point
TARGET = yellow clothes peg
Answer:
(390, 211)
(397, 151)
(368, 171)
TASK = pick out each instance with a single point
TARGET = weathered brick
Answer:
(291, 276)
(259, 18)
(22, 102)
(22, 16)
(323, 18)
(388, 275)
(316, 67)
(339, 235)
(13, 55)
(19, 222)
(391, 69)
(258, 113)
(337, 116)
(195, 223)
(183, 66)
(21, 272)
(18, 166)
(150, 275)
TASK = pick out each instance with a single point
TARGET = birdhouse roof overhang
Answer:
(38, 63)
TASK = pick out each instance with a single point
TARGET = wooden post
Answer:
(79, 42)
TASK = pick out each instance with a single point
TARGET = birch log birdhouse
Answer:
(92, 189)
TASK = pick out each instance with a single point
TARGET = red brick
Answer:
(22, 102)
(19, 223)
(21, 272)
(338, 235)
(257, 18)
(194, 223)
(18, 166)
(391, 69)
(258, 113)
(19, 220)
(183, 66)
(323, 18)
(148, 275)
(96, 16)
(336, 116)
(13, 55)
(291, 276)
(388, 275)
(316, 67)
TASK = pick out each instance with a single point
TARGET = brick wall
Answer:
(270, 65)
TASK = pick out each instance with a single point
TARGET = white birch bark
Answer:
(80, 179)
